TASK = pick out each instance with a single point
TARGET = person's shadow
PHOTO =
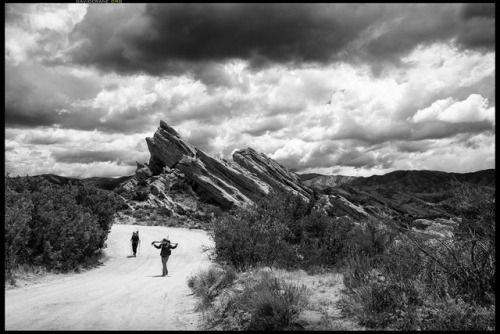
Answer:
(128, 257)
(158, 276)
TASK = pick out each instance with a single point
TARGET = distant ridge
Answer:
(407, 180)
(425, 180)
(107, 183)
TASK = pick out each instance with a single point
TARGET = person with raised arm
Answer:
(166, 246)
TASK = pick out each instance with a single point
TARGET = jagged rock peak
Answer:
(167, 148)
(168, 128)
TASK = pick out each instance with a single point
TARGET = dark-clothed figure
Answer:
(166, 247)
(135, 241)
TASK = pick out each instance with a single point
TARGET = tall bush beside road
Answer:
(55, 227)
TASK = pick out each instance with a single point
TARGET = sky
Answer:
(349, 89)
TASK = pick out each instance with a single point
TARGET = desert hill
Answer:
(407, 180)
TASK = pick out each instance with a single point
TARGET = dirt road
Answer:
(125, 293)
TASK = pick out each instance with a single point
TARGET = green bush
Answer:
(457, 315)
(56, 227)
(272, 303)
(244, 241)
(140, 195)
(282, 231)
(207, 284)
(263, 302)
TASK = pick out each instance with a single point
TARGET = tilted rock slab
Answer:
(339, 206)
(272, 172)
(167, 148)
(222, 182)
(228, 184)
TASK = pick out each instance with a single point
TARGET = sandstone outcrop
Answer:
(270, 171)
(167, 148)
(228, 184)
(339, 206)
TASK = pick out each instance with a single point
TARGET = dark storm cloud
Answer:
(170, 37)
(179, 38)
(478, 10)
(88, 157)
(36, 96)
(410, 25)
(478, 29)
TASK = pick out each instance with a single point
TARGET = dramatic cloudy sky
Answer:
(351, 89)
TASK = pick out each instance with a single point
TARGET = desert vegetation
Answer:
(54, 227)
(395, 277)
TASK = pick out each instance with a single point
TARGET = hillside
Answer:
(414, 181)
(415, 194)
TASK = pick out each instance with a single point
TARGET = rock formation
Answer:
(167, 148)
(271, 172)
(249, 178)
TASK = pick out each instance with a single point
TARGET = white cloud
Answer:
(473, 109)
(33, 152)
(40, 27)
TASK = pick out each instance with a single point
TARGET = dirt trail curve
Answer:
(125, 293)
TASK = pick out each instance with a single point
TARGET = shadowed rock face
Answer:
(228, 184)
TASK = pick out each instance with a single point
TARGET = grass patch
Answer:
(207, 284)
(255, 300)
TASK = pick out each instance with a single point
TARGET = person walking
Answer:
(166, 247)
(135, 241)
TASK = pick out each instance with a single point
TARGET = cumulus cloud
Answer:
(71, 152)
(473, 109)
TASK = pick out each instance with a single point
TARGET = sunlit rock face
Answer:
(167, 148)
(228, 184)
(271, 172)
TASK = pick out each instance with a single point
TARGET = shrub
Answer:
(207, 284)
(243, 241)
(457, 315)
(264, 302)
(140, 195)
(57, 227)
(272, 303)
(280, 230)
